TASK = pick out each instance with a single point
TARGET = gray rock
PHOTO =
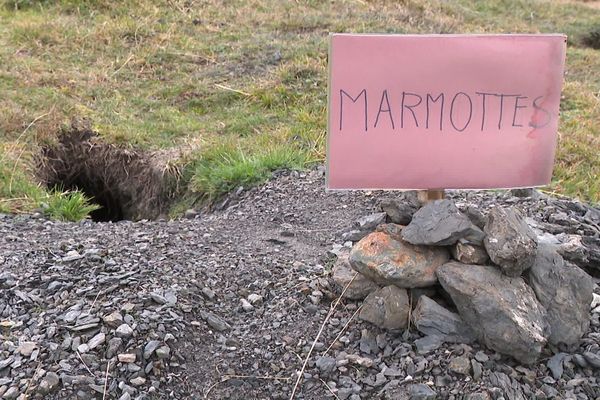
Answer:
(354, 235)
(420, 391)
(171, 297)
(96, 341)
(370, 222)
(555, 365)
(368, 342)
(592, 359)
(440, 223)
(6, 362)
(343, 273)
(246, 306)
(255, 299)
(214, 321)
(49, 383)
(26, 348)
(124, 331)
(11, 394)
(511, 390)
(150, 347)
(428, 344)
(481, 356)
(386, 260)
(477, 370)
(549, 391)
(163, 352)
(593, 214)
(113, 346)
(571, 247)
(432, 319)
(387, 308)
(566, 293)
(208, 293)
(476, 216)
(138, 381)
(478, 396)
(524, 192)
(460, 365)
(158, 298)
(580, 361)
(113, 320)
(502, 311)
(398, 211)
(126, 358)
(326, 364)
(509, 241)
(468, 253)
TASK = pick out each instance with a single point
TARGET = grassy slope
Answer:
(240, 85)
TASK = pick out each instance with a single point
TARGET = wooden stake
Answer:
(427, 196)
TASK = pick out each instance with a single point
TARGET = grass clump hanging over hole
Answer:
(69, 206)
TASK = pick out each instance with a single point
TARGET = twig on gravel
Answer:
(330, 390)
(267, 377)
(211, 388)
(319, 335)
(105, 381)
(37, 370)
(343, 329)
(94, 302)
(410, 301)
(84, 364)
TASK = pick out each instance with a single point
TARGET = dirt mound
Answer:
(127, 183)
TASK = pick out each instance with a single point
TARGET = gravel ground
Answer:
(227, 305)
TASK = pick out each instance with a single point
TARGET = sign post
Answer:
(426, 112)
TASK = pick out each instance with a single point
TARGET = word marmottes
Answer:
(439, 111)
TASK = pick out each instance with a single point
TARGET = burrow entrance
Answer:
(128, 184)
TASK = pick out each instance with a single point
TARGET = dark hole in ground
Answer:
(128, 184)
(592, 38)
(111, 206)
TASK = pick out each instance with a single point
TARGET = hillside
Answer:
(215, 95)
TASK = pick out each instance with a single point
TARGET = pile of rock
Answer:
(512, 292)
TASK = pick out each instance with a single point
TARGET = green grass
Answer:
(19, 192)
(240, 86)
(68, 206)
(225, 168)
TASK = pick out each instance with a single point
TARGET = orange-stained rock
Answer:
(390, 261)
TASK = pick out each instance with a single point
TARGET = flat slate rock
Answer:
(502, 311)
(565, 291)
(430, 318)
(390, 261)
(387, 308)
(509, 241)
(440, 223)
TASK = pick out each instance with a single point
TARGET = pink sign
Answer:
(443, 111)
